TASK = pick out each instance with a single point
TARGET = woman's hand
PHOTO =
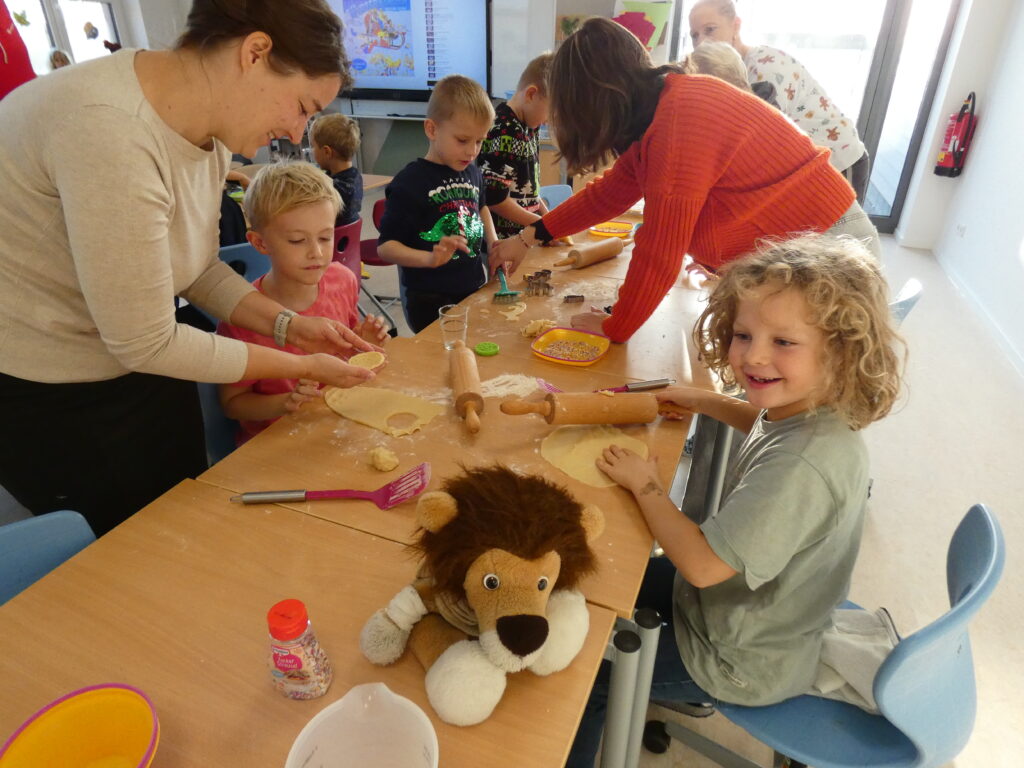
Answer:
(592, 321)
(373, 329)
(446, 247)
(627, 468)
(321, 334)
(305, 390)
(328, 369)
(509, 252)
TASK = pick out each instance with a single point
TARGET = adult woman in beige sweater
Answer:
(109, 208)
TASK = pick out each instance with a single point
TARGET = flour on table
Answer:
(508, 384)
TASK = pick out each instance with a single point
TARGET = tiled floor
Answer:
(953, 442)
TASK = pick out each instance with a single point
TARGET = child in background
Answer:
(721, 60)
(436, 222)
(291, 208)
(803, 326)
(509, 157)
(334, 140)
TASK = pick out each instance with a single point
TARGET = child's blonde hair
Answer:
(848, 299)
(280, 187)
(721, 60)
(339, 132)
(459, 94)
(537, 73)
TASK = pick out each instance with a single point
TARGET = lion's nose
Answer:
(522, 634)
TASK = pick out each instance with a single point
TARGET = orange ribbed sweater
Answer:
(718, 169)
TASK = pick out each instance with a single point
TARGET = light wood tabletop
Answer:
(174, 601)
(317, 449)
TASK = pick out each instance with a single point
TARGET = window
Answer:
(78, 27)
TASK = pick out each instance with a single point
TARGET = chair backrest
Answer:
(31, 548)
(926, 685)
(905, 299)
(245, 260)
(368, 247)
(219, 430)
(346, 245)
(554, 195)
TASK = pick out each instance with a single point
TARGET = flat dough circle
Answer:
(574, 449)
(375, 408)
(369, 360)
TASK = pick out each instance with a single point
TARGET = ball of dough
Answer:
(369, 360)
(535, 328)
(383, 459)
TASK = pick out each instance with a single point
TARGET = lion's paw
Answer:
(568, 623)
(381, 640)
(463, 686)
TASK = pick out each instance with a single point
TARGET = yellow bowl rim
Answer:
(603, 343)
(147, 758)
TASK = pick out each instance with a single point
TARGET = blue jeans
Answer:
(671, 682)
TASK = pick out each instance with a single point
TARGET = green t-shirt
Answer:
(790, 525)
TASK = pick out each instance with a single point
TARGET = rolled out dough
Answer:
(574, 449)
(377, 408)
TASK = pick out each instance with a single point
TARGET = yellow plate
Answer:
(542, 342)
(621, 229)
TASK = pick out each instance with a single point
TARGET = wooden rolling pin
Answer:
(591, 253)
(588, 408)
(469, 402)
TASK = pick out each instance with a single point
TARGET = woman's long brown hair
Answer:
(604, 90)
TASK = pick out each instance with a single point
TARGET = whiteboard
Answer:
(520, 30)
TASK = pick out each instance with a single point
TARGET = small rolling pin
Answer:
(591, 253)
(469, 402)
(587, 408)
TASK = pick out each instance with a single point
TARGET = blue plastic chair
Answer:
(246, 260)
(220, 431)
(31, 548)
(924, 689)
(905, 300)
(554, 195)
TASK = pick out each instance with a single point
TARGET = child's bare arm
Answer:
(490, 233)
(681, 539)
(398, 253)
(242, 404)
(737, 413)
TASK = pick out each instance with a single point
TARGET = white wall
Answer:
(156, 24)
(974, 224)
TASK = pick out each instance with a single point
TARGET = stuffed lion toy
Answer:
(495, 593)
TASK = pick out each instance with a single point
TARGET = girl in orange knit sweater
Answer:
(718, 169)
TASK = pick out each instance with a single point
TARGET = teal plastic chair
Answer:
(554, 195)
(924, 689)
(31, 548)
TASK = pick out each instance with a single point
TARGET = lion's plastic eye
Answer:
(542, 583)
(491, 581)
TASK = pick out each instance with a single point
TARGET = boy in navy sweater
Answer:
(436, 224)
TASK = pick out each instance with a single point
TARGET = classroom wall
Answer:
(973, 224)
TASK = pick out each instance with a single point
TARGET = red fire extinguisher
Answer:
(959, 131)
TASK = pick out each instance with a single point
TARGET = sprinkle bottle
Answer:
(298, 665)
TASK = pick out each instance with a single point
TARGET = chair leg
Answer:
(393, 329)
(656, 738)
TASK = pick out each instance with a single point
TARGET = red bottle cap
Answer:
(287, 619)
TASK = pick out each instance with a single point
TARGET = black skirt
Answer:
(104, 449)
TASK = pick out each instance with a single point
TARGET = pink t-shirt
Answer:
(338, 298)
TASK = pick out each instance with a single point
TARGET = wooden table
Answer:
(317, 449)
(174, 601)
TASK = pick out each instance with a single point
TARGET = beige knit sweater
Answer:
(106, 214)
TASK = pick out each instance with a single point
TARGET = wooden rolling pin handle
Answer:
(567, 261)
(472, 419)
(592, 253)
(517, 407)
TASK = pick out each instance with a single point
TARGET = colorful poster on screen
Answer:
(378, 37)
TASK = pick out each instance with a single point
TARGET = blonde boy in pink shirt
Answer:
(291, 209)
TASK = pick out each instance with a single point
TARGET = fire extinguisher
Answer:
(959, 131)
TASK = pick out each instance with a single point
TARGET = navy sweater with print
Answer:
(425, 202)
(509, 161)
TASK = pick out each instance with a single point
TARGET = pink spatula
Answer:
(394, 493)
